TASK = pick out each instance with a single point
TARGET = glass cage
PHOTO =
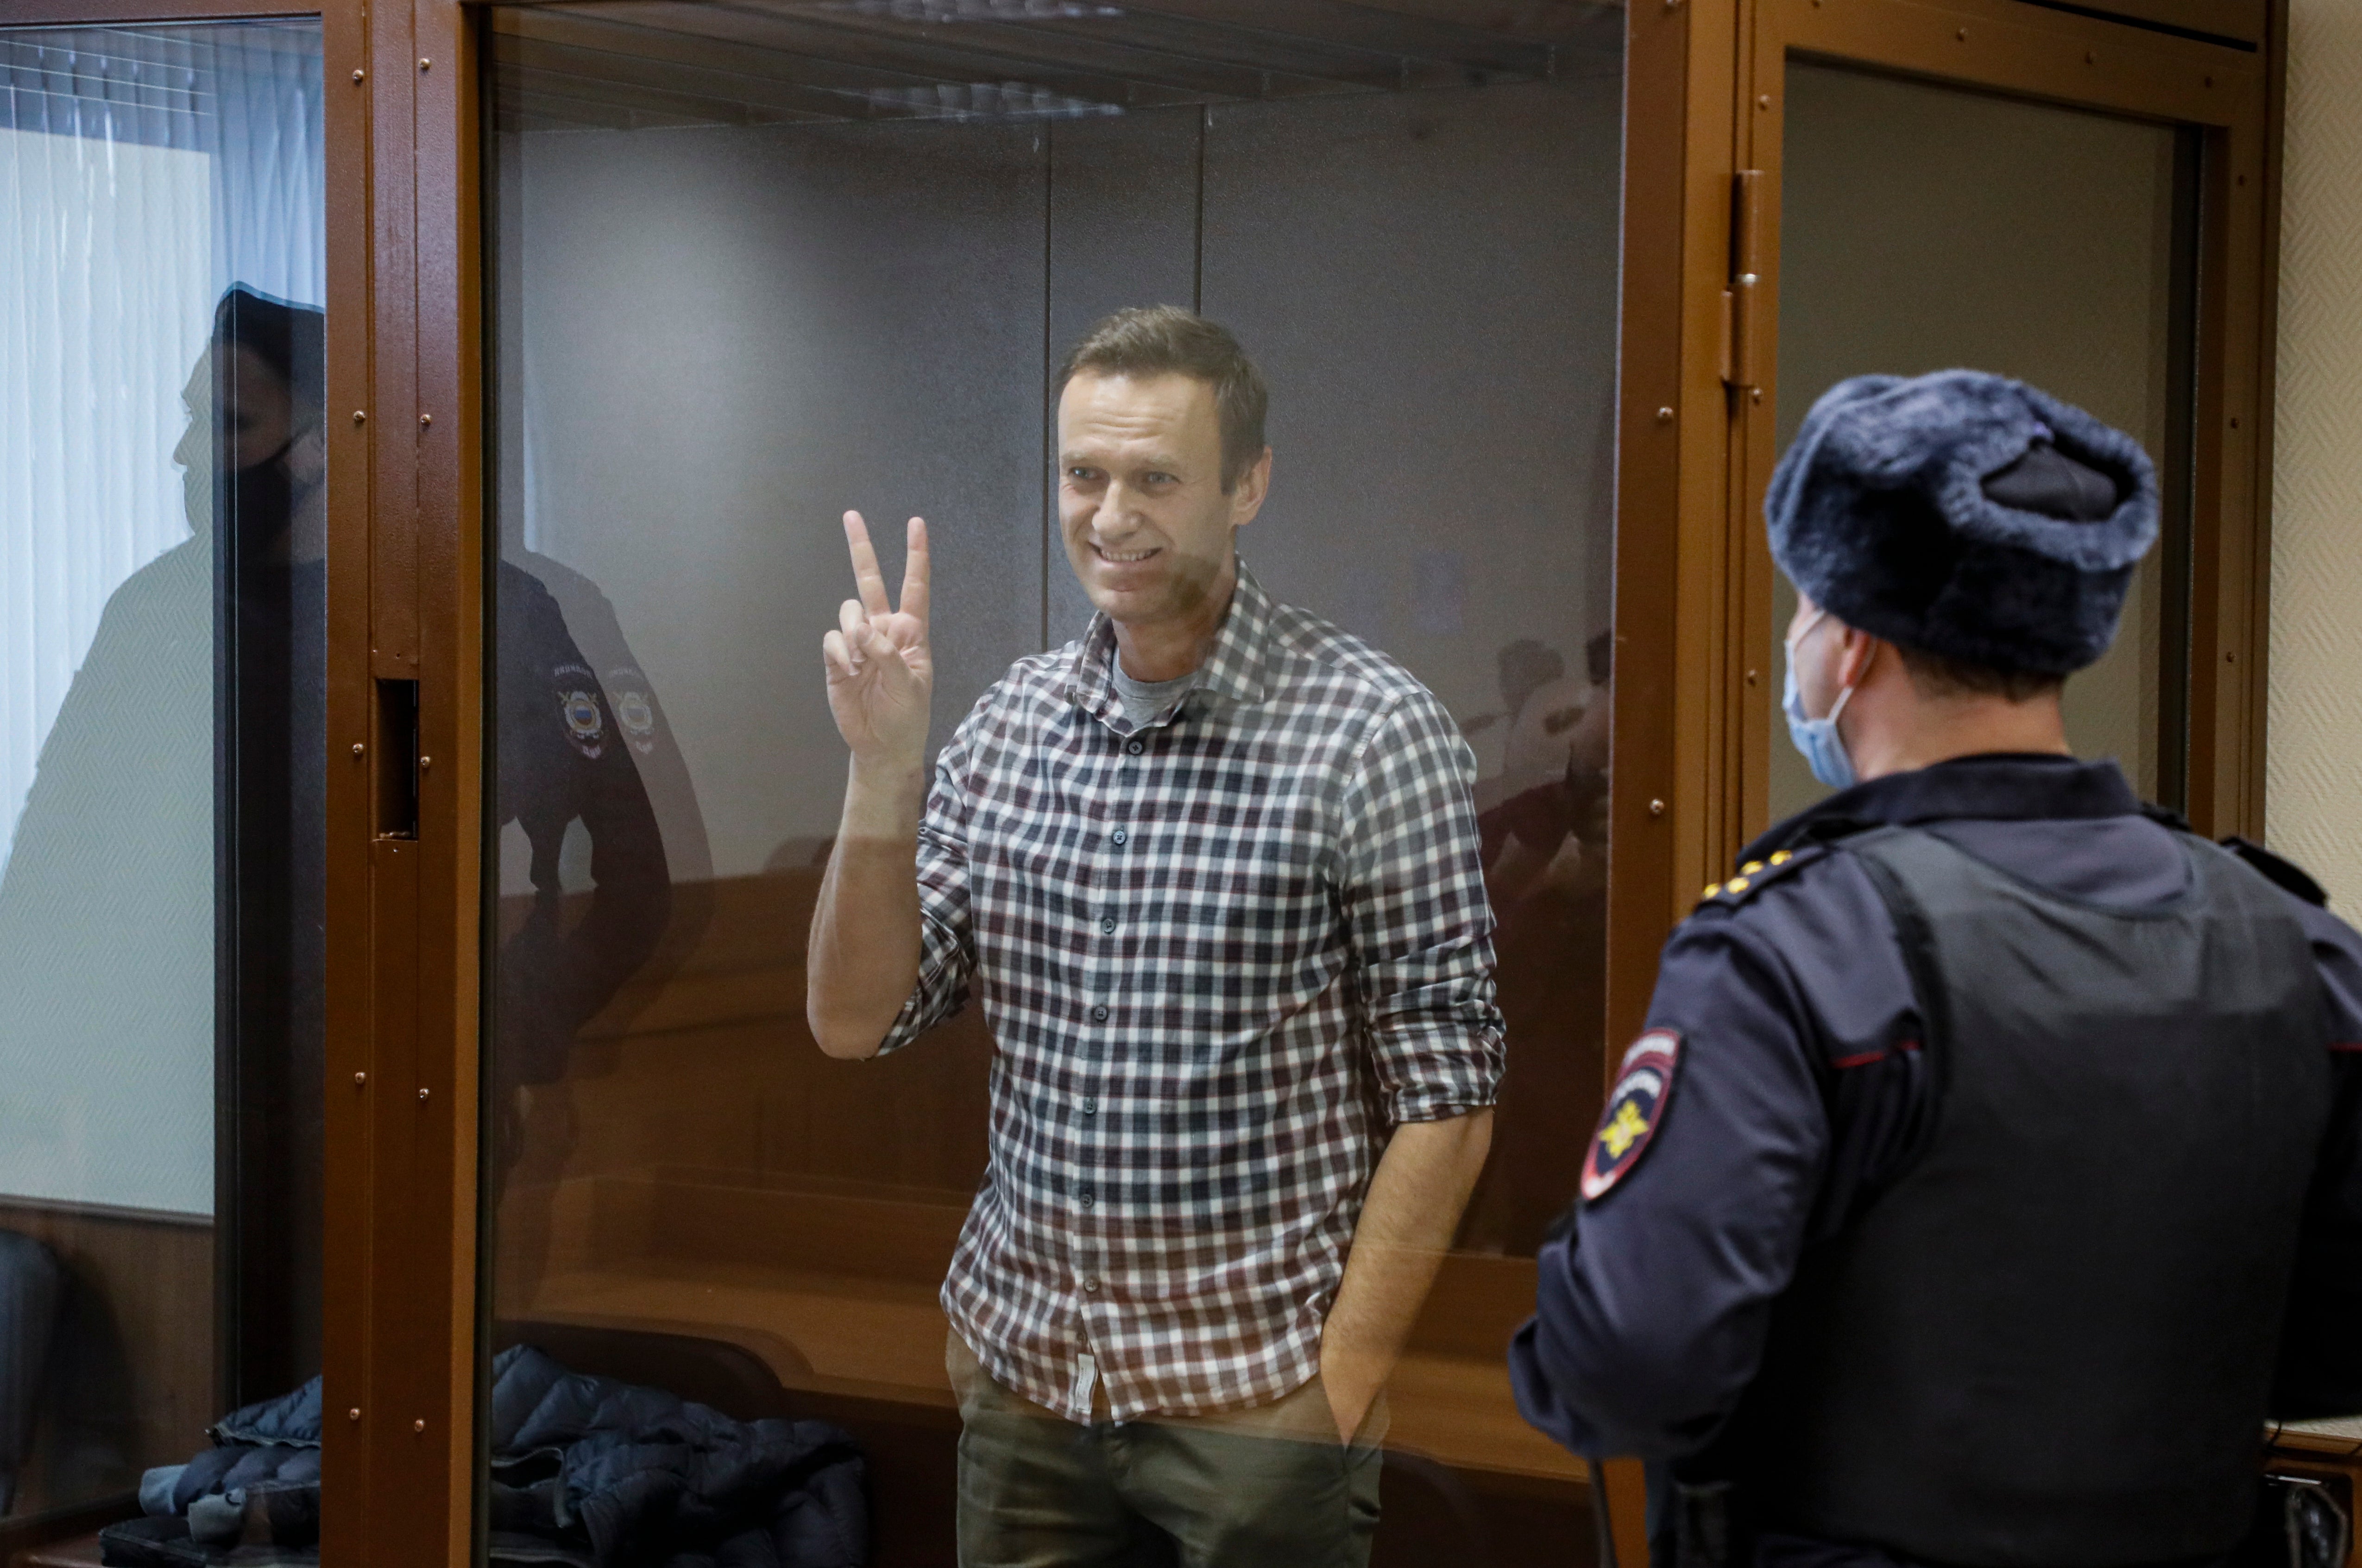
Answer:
(751, 266)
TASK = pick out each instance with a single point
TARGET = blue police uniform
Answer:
(565, 754)
(1988, 1170)
(1801, 1088)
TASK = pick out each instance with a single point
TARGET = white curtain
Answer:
(143, 172)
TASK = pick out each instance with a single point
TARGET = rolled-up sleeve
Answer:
(947, 932)
(1419, 925)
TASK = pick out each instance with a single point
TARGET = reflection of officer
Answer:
(565, 754)
(1987, 1171)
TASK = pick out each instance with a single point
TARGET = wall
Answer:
(710, 341)
(2315, 736)
(2042, 254)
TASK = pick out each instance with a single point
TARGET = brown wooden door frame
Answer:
(1670, 809)
(2228, 95)
(1673, 496)
(402, 1348)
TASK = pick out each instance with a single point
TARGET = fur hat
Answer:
(1964, 514)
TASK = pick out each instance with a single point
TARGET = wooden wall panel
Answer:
(131, 1379)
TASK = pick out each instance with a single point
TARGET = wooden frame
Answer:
(1697, 437)
(2225, 93)
(399, 1487)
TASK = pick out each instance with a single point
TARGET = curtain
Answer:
(143, 172)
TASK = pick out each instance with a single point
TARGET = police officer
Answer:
(567, 753)
(1986, 1174)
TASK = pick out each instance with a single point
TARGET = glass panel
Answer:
(2057, 247)
(751, 268)
(162, 742)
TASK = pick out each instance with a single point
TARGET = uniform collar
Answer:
(1995, 786)
(1238, 667)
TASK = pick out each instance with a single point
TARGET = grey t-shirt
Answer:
(1143, 699)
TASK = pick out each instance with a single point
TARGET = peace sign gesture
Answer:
(881, 673)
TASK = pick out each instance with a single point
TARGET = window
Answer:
(161, 742)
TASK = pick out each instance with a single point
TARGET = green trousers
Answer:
(1265, 1488)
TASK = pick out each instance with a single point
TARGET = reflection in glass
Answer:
(161, 742)
(827, 285)
(2057, 249)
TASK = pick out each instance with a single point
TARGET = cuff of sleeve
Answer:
(1433, 1074)
(1437, 1105)
(938, 993)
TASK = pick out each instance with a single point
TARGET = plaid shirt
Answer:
(1219, 956)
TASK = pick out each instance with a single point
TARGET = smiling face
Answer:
(1147, 525)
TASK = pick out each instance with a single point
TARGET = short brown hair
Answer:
(1939, 674)
(1162, 340)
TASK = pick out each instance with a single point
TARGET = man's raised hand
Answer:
(881, 673)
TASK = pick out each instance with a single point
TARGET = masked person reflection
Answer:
(169, 852)
(1213, 872)
(1987, 1172)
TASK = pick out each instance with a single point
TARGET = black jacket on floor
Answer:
(586, 1471)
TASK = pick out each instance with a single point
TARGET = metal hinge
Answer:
(1741, 299)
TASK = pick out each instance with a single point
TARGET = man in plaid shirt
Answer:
(1213, 872)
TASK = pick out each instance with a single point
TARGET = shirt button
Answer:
(1099, 1015)
(1090, 1107)
(1119, 838)
(1136, 748)
(1086, 1197)
(1092, 1284)
(1108, 925)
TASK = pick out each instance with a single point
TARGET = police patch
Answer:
(639, 717)
(584, 723)
(1636, 1106)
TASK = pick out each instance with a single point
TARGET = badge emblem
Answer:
(1636, 1108)
(584, 723)
(639, 717)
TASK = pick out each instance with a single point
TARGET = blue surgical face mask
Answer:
(1824, 750)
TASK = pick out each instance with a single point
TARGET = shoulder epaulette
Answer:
(1758, 874)
(2285, 874)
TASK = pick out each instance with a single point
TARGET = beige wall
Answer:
(2315, 757)
(2042, 254)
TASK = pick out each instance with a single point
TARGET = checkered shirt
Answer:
(1219, 955)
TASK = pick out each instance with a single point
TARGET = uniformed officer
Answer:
(1986, 1174)
(567, 753)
